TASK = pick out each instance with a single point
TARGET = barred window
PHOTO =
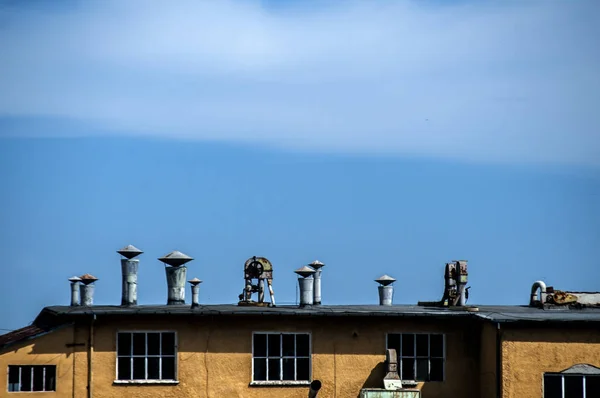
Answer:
(31, 378)
(281, 357)
(146, 356)
(421, 357)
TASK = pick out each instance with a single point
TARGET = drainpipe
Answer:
(75, 301)
(129, 271)
(386, 290)
(306, 284)
(317, 265)
(195, 284)
(87, 289)
(533, 298)
(90, 359)
(176, 273)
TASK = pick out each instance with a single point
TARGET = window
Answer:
(146, 356)
(281, 357)
(31, 378)
(420, 356)
(568, 385)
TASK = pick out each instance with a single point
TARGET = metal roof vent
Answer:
(75, 301)
(87, 289)
(306, 285)
(129, 273)
(386, 290)
(261, 269)
(317, 265)
(195, 283)
(176, 274)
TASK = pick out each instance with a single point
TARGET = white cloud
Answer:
(508, 81)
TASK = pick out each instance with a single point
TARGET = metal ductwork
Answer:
(129, 272)
(86, 289)
(533, 298)
(386, 290)
(306, 285)
(176, 273)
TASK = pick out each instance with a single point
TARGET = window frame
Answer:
(281, 382)
(415, 357)
(562, 381)
(44, 368)
(175, 356)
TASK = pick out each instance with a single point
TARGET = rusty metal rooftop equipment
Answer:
(176, 273)
(542, 296)
(261, 270)
(456, 293)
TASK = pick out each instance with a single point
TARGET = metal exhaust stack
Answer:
(317, 265)
(195, 284)
(87, 289)
(75, 301)
(129, 271)
(386, 290)
(306, 284)
(315, 386)
(461, 281)
(176, 273)
(533, 299)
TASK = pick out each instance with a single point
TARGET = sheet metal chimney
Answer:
(195, 283)
(75, 291)
(87, 289)
(306, 284)
(129, 271)
(317, 265)
(386, 290)
(176, 273)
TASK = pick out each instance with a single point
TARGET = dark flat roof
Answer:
(484, 312)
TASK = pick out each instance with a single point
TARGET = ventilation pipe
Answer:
(306, 284)
(75, 291)
(315, 386)
(461, 281)
(534, 296)
(129, 271)
(176, 273)
(317, 265)
(195, 284)
(87, 289)
(386, 290)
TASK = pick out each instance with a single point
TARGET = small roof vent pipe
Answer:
(87, 289)
(176, 273)
(306, 285)
(386, 290)
(317, 265)
(75, 301)
(129, 272)
(533, 298)
(195, 284)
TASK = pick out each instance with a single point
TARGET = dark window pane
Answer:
(273, 341)
(168, 368)
(139, 368)
(124, 368)
(288, 369)
(287, 340)
(552, 386)
(153, 368)
(393, 343)
(422, 369)
(260, 346)
(274, 369)
(422, 345)
(38, 378)
(153, 343)
(139, 344)
(302, 345)
(408, 372)
(26, 378)
(592, 386)
(168, 343)
(50, 378)
(302, 369)
(436, 369)
(573, 386)
(124, 344)
(13, 378)
(408, 345)
(260, 369)
(436, 345)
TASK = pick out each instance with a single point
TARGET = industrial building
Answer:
(549, 347)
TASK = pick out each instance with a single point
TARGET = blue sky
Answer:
(377, 137)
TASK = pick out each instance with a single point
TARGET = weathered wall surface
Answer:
(528, 353)
(487, 368)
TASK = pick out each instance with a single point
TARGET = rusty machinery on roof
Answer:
(260, 269)
(456, 292)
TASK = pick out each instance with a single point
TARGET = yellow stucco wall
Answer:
(214, 357)
(528, 353)
(487, 355)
